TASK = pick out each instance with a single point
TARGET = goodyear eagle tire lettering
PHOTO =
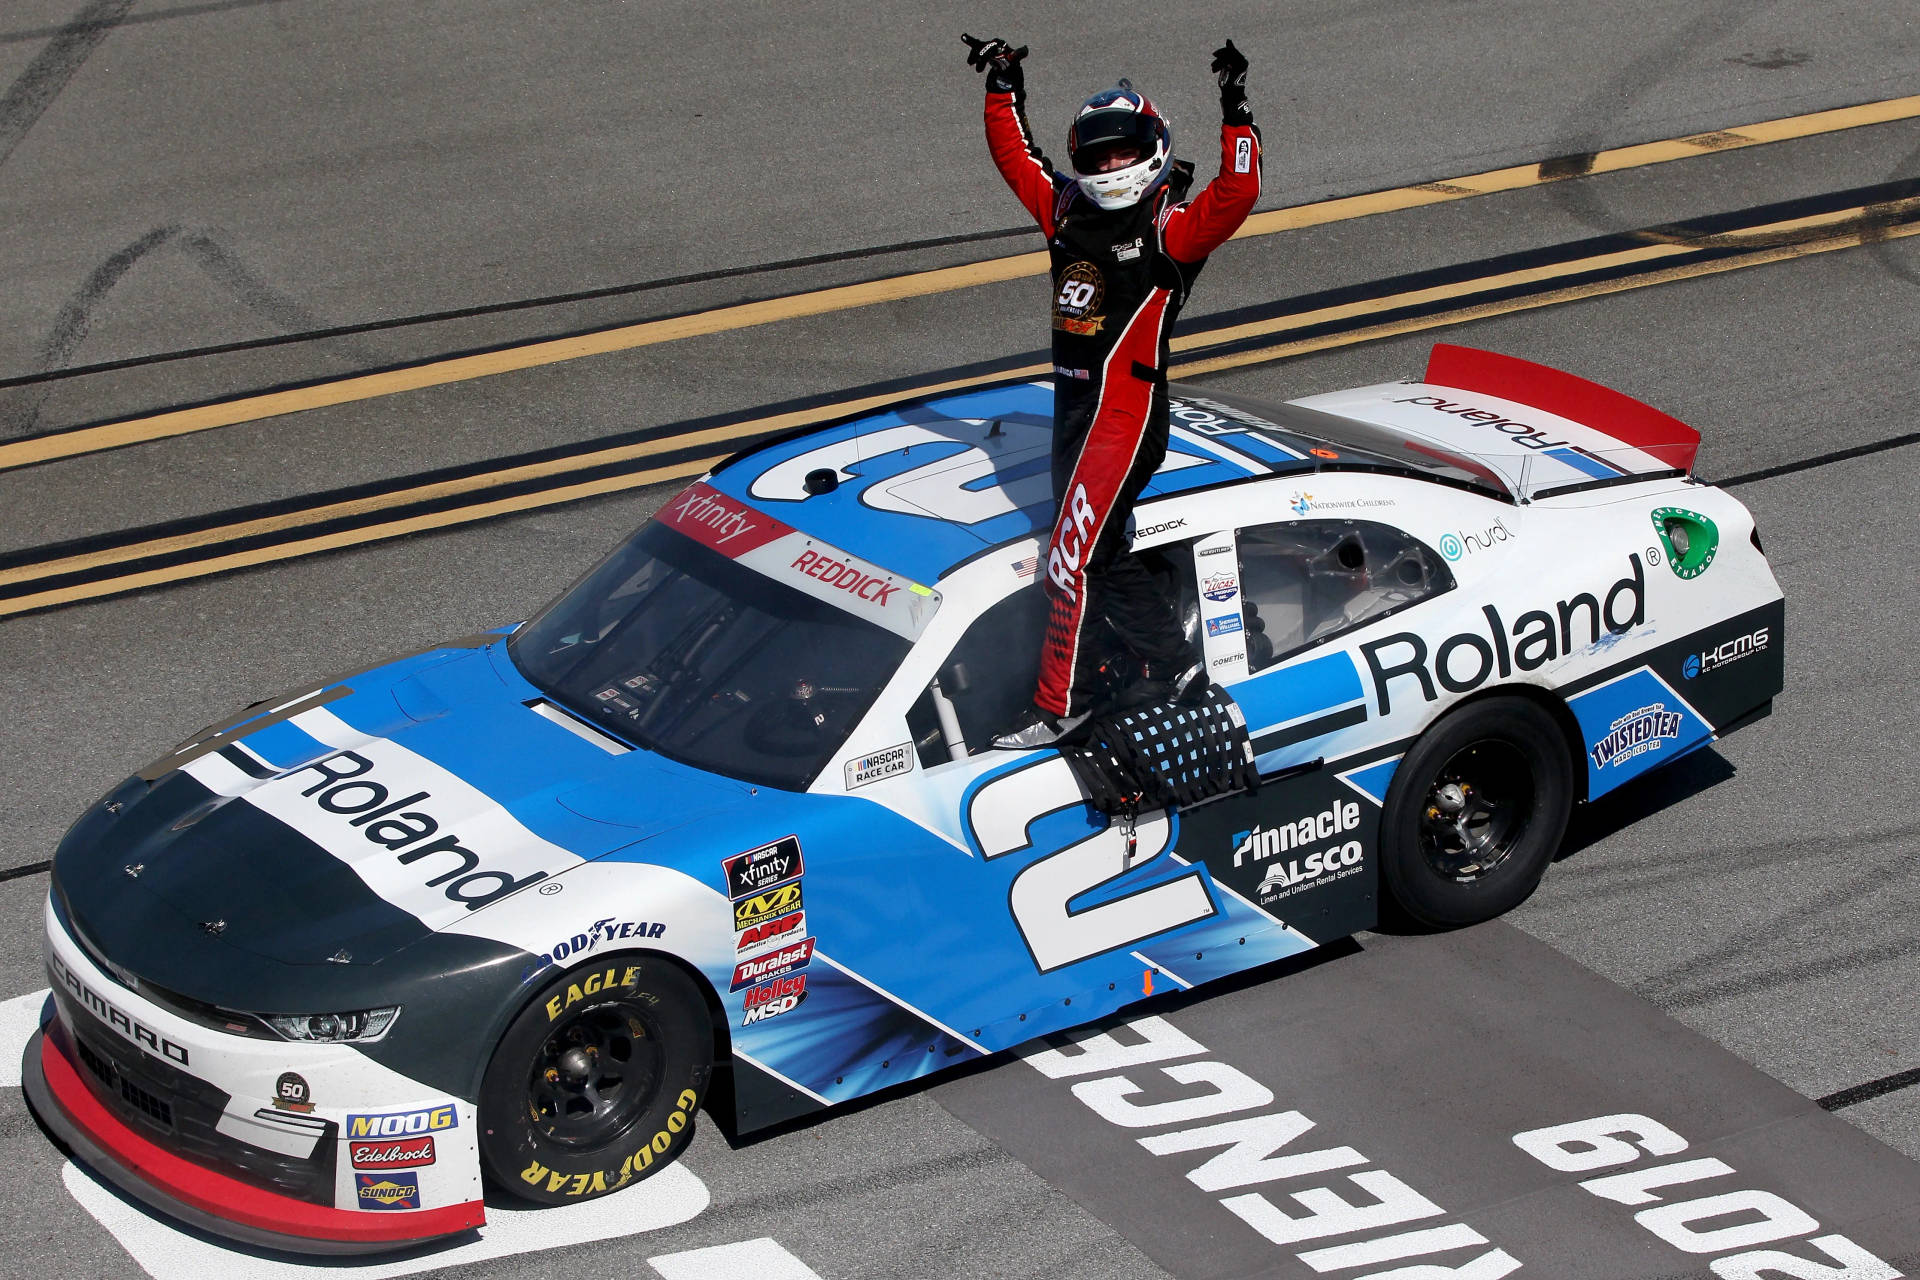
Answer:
(596, 1083)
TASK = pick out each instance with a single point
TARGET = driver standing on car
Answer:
(1126, 246)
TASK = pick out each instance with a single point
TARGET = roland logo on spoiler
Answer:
(1523, 435)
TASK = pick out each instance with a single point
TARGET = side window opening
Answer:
(1304, 582)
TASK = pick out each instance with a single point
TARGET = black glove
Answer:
(1001, 62)
(1230, 69)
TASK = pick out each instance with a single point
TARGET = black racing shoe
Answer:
(1035, 728)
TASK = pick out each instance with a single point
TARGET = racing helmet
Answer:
(1111, 126)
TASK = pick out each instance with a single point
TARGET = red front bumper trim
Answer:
(202, 1193)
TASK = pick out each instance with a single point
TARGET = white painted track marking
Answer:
(762, 1259)
(669, 1198)
(19, 1019)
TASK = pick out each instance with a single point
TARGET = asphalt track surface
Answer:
(1727, 947)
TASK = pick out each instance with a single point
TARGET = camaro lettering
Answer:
(404, 1124)
(837, 573)
(127, 1028)
(1523, 435)
(1466, 661)
(345, 790)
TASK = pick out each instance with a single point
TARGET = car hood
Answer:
(372, 817)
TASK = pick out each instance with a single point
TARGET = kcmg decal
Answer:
(1535, 638)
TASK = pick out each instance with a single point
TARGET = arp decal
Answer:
(758, 870)
(765, 906)
(404, 1124)
(387, 1190)
(770, 932)
(1700, 1206)
(402, 1153)
(1532, 641)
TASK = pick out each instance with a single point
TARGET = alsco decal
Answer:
(838, 573)
(785, 960)
(128, 1028)
(1536, 641)
(581, 1184)
(407, 1153)
(345, 791)
(765, 906)
(714, 520)
(758, 870)
(404, 1124)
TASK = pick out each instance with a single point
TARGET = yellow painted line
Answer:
(531, 355)
(1786, 249)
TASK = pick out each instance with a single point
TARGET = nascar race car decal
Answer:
(718, 827)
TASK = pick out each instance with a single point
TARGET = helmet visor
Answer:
(1099, 137)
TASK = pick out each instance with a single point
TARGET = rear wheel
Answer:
(594, 1086)
(1475, 813)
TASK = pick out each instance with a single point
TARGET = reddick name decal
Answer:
(1464, 662)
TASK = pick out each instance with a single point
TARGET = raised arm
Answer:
(1018, 156)
(1196, 229)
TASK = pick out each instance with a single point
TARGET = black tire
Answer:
(1461, 857)
(595, 1085)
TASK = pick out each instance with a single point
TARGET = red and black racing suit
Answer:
(1119, 278)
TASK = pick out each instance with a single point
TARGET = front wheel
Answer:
(1475, 813)
(595, 1084)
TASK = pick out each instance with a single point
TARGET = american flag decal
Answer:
(1026, 568)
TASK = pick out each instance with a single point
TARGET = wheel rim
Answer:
(595, 1074)
(1476, 810)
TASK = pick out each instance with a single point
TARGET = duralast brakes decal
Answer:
(757, 970)
(758, 870)
(553, 1181)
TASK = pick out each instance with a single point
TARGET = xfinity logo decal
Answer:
(758, 870)
(1464, 662)
(412, 834)
(1523, 435)
(1699, 664)
(1636, 733)
(704, 507)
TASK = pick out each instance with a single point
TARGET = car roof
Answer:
(926, 485)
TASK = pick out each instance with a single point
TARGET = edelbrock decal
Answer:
(1535, 641)
(402, 1153)
(884, 763)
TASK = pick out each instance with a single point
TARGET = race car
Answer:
(720, 828)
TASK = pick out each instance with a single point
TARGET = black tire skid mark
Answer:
(28, 98)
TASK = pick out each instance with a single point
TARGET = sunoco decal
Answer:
(884, 763)
(387, 1190)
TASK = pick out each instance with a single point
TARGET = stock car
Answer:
(720, 827)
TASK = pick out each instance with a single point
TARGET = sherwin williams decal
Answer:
(1631, 724)
(1691, 540)
(387, 1190)
(1224, 626)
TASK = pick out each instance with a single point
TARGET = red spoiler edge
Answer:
(1537, 386)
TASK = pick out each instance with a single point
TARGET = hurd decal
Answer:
(881, 764)
(714, 520)
(387, 1190)
(785, 960)
(1708, 661)
(1636, 733)
(1070, 543)
(1455, 545)
(772, 933)
(765, 906)
(758, 870)
(346, 790)
(838, 573)
(1535, 638)
(1523, 435)
(780, 996)
(128, 1029)
(1755, 1234)
(404, 1124)
(408, 1153)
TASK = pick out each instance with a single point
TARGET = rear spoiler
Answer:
(1602, 409)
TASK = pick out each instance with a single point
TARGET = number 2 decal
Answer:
(1000, 814)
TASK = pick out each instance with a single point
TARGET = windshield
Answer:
(681, 650)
